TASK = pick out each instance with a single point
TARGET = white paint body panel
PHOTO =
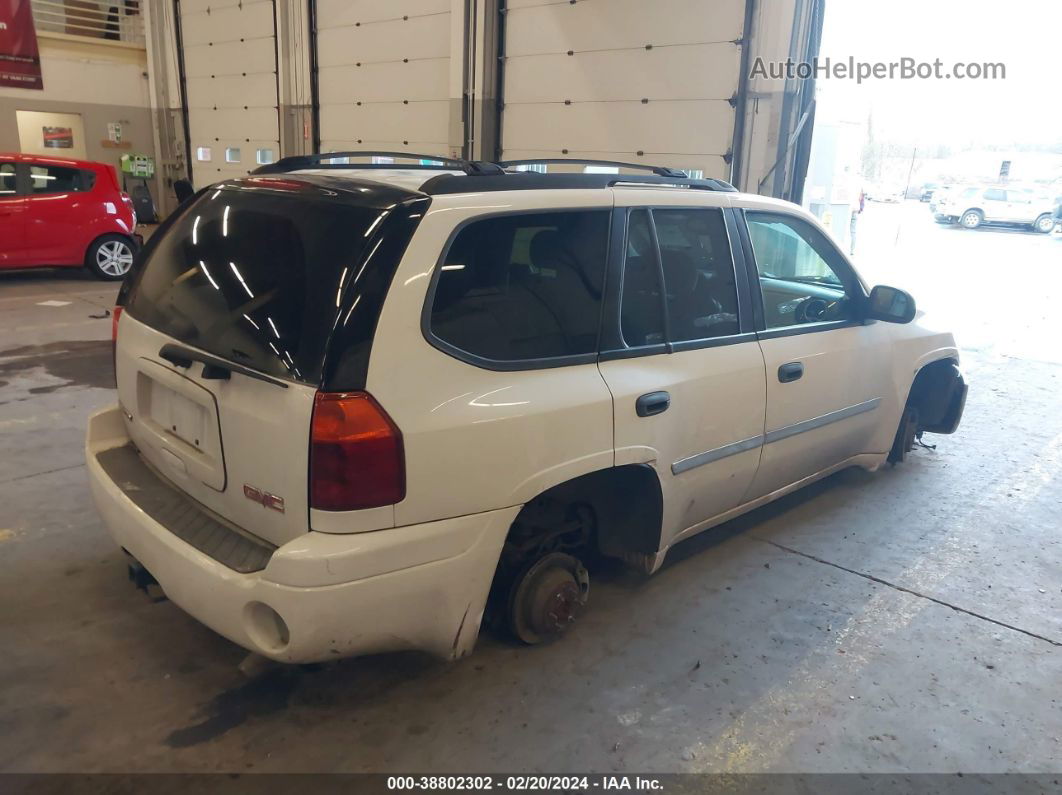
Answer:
(417, 587)
(481, 439)
(479, 444)
(843, 368)
(262, 429)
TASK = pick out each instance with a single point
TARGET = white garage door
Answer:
(620, 80)
(230, 62)
(383, 74)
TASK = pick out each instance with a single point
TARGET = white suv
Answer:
(972, 206)
(361, 407)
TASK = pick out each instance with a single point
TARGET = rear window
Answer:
(255, 278)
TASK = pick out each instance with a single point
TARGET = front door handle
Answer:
(652, 403)
(790, 371)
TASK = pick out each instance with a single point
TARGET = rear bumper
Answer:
(320, 596)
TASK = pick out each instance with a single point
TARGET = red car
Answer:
(60, 212)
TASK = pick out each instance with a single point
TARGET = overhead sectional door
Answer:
(383, 74)
(622, 80)
(230, 66)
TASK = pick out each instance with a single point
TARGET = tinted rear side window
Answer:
(255, 278)
(55, 179)
(521, 287)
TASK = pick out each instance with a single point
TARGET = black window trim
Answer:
(616, 347)
(18, 179)
(513, 365)
(753, 275)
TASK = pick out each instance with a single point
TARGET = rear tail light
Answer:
(356, 454)
(114, 324)
(117, 313)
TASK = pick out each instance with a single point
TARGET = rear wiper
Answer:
(213, 367)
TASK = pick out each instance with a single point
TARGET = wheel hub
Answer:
(558, 605)
(547, 600)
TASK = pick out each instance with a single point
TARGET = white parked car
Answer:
(360, 407)
(885, 193)
(971, 207)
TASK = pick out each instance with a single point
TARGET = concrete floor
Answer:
(908, 620)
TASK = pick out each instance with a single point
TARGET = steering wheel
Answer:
(814, 309)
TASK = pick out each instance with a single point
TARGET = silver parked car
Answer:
(973, 206)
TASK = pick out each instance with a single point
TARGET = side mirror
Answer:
(890, 304)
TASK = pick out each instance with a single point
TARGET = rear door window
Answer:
(523, 287)
(693, 257)
(254, 277)
(641, 304)
(54, 179)
(698, 274)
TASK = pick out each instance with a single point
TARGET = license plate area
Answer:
(178, 424)
(180, 416)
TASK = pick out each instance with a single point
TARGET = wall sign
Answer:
(57, 138)
(20, 61)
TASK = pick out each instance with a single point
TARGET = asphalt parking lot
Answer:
(908, 620)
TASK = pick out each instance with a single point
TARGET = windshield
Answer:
(254, 277)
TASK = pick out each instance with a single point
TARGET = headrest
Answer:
(546, 249)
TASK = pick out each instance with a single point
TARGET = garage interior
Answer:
(903, 621)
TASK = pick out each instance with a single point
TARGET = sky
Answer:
(1025, 35)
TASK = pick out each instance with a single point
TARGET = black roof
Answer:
(368, 192)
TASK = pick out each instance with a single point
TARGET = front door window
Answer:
(802, 276)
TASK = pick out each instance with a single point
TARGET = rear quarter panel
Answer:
(478, 439)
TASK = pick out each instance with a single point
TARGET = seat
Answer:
(558, 279)
(701, 303)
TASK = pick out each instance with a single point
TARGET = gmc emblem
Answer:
(263, 498)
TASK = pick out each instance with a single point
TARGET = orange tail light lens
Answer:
(356, 455)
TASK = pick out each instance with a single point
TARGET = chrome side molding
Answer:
(786, 431)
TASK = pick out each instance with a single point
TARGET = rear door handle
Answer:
(652, 403)
(790, 371)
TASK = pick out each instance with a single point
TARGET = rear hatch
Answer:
(224, 339)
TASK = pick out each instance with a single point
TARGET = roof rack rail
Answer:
(321, 160)
(533, 180)
(660, 171)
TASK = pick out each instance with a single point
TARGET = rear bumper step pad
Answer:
(180, 514)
